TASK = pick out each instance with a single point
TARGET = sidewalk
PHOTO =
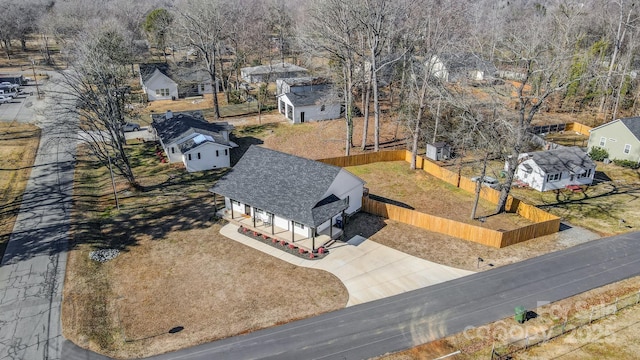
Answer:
(368, 270)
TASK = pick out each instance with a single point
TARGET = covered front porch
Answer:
(311, 244)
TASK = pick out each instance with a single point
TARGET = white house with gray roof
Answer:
(621, 138)
(188, 138)
(157, 83)
(555, 169)
(298, 195)
(307, 99)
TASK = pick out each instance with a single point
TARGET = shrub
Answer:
(291, 246)
(627, 163)
(274, 240)
(598, 153)
(301, 250)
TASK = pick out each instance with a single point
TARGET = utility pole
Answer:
(33, 63)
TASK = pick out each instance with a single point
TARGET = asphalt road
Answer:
(32, 269)
(413, 318)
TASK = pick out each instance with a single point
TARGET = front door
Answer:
(247, 210)
(302, 116)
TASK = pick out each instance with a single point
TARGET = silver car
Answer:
(127, 127)
(487, 181)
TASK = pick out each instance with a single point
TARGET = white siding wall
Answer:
(311, 112)
(347, 184)
(538, 179)
(160, 81)
(212, 156)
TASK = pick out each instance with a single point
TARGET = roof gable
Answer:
(147, 71)
(286, 185)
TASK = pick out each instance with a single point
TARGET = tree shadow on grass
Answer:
(390, 201)
(363, 224)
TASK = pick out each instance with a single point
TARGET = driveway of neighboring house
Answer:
(370, 271)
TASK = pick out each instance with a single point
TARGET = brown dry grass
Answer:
(620, 342)
(175, 269)
(427, 194)
(18, 148)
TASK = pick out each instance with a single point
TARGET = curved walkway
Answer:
(370, 271)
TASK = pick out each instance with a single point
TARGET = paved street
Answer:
(32, 269)
(416, 317)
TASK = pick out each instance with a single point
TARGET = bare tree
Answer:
(201, 25)
(330, 30)
(94, 90)
(538, 46)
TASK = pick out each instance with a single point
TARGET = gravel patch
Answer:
(104, 255)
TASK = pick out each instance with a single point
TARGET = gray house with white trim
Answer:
(621, 138)
(157, 83)
(188, 138)
(298, 195)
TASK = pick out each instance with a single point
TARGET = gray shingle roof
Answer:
(272, 69)
(188, 123)
(311, 98)
(633, 124)
(286, 185)
(571, 159)
(147, 70)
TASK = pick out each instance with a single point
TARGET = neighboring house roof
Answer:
(633, 124)
(304, 81)
(184, 124)
(285, 185)
(570, 159)
(147, 70)
(457, 64)
(311, 98)
(272, 69)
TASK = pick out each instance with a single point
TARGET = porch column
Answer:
(254, 216)
(231, 202)
(273, 217)
(313, 239)
(331, 228)
(293, 232)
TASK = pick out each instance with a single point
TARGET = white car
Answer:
(4, 99)
(487, 181)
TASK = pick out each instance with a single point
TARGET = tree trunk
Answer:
(416, 130)
(365, 107)
(214, 85)
(376, 103)
(348, 115)
(479, 186)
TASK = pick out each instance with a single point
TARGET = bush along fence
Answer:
(544, 222)
(505, 351)
(283, 245)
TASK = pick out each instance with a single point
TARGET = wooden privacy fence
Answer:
(580, 128)
(544, 222)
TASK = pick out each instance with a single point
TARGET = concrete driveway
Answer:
(370, 271)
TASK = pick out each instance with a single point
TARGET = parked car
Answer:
(4, 99)
(130, 127)
(487, 181)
